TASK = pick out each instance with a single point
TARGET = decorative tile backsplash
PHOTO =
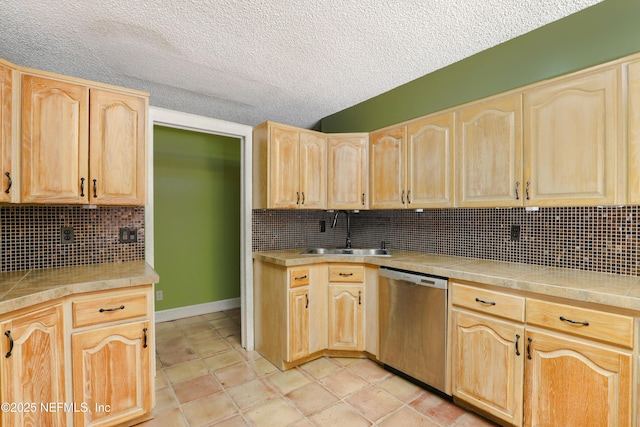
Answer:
(586, 238)
(30, 236)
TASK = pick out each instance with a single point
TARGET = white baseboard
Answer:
(196, 310)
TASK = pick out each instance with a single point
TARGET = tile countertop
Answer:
(601, 288)
(19, 289)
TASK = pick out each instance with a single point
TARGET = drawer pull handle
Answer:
(8, 334)
(529, 348)
(81, 187)
(345, 274)
(517, 349)
(300, 277)
(95, 188)
(517, 193)
(144, 331)
(574, 322)
(359, 297)
(102, 310)
(481, 301)
(307, 297)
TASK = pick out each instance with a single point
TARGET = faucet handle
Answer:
(383, 245)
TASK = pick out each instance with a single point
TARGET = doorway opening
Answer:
(176, 121)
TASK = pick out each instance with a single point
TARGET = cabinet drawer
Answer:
(298, 277)
(490, 302)
(346, 273)
(584, 322)
(108, 307)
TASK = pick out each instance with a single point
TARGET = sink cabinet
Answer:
(307, 311)
(346, 307)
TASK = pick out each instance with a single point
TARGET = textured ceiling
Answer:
(292, 61)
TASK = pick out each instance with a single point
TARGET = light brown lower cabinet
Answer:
(111, 373)
(346, 329)
(60, 373)
(556, 365)
(32, 368)
(488, 364)
(569, 382)
(308, 311)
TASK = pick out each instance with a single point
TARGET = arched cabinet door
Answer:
(111, 373)
(33, 367)
(571, 383)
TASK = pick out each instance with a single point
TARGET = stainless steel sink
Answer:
(348, 251)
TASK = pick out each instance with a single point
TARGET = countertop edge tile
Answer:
(616, 291)
(51, 284)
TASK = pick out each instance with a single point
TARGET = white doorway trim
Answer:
(176, 119)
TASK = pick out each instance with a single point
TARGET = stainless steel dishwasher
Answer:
(413, 325)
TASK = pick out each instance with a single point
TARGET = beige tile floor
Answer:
(205, 378)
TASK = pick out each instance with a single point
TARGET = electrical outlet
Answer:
(515, 233)
(66, 235)
(159, 295)
(128, 235)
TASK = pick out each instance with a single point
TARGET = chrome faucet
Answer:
(333, 225)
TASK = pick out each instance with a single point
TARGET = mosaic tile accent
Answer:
(30, 236)
(587, 238)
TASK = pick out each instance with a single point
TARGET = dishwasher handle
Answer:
(415, 278)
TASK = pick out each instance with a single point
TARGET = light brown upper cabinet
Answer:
(633, 111)
(7, 130)
(290, 168)
(411, 166)
(81, 144)
(387, 168)
(489, 153)
(348, 171)
(572, 141)
(557, 144)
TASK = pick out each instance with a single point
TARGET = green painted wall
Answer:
(197, 217)
(606, 31)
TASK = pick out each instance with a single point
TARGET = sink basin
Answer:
(347, 251)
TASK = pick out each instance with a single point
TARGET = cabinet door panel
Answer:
(111, 367)
(347, 174)
(387, 169)
(117, 144)
(634, 132)
(298, 323)
(284, 168)
(34, 372)
(345, 317)
(572, 383)
(487, 370)
(55, 138)
(489, 153)
(430, 154)
(6, 132)
(313, 171)
(571, 140)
